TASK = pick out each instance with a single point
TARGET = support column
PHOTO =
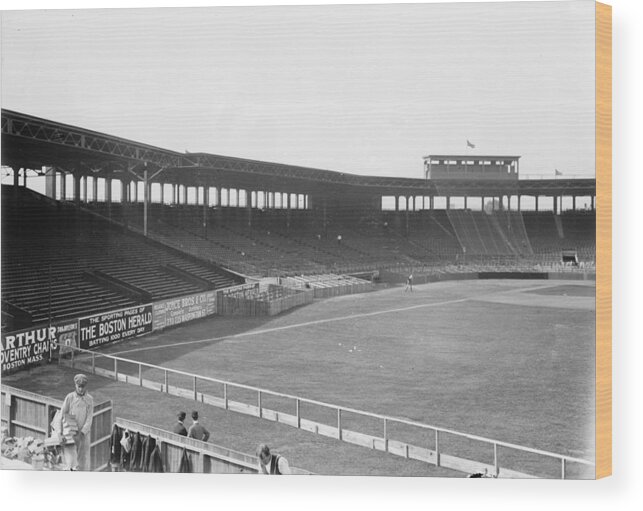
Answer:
(16, 183)
(249, 207)
(108, 196)
(85, 189)
(146, 198)
(77, 189)
(185, 194)
(448, 202)
(593, 202)
(408, 206)
(206, 208)
(481, 203)
(536, 197)
(162, 185)
(63, 186)
(24, 177)
(519, 199)
(465, 202)
(95, 188)
(397, 203)
(508, 202)
(287, 210)
(573, 202)
(431, 202)
(128, 201)
(555, 204)
(50, 183)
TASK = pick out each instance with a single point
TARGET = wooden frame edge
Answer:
(603, 240)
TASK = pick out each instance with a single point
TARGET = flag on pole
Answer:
(558, 172)
(469, 144)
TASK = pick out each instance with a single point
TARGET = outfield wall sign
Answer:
(32, 346)
(240, 289)
(115, 326)
(169, 313)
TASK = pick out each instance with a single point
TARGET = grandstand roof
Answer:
(32, 142)
(469, 157)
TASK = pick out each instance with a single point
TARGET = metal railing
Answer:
(205, 457)
(436, 454)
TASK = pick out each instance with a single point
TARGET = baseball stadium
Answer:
(442, 325)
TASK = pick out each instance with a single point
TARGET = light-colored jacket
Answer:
(79, 408)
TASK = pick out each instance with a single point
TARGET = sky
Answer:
(365, 89)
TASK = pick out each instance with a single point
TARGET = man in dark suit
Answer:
(179, 427)
(196, 430)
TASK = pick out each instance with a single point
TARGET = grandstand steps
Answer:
(502, 239)
(486, 234)
(175, 271)
(193, 246)
(49, 252)
(559, 227)
(482, 233)
(156, 284)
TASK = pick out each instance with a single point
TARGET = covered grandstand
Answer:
(125, 223)
(130, 240)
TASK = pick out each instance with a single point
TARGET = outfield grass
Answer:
(510, 360)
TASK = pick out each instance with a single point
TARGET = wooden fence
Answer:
(28, 414)
(204, 457)
(258, 300)
(328, 285)
(437, 446)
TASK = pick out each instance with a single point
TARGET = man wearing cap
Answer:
(179, 427)
(77, 409)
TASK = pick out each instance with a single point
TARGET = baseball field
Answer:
(510, 360)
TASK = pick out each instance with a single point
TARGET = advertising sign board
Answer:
(114, 326)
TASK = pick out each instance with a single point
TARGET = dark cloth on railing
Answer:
(115, 446)
(136, 454)
(148, 447)
(185, 467)
(156, 461)
(126, 447)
